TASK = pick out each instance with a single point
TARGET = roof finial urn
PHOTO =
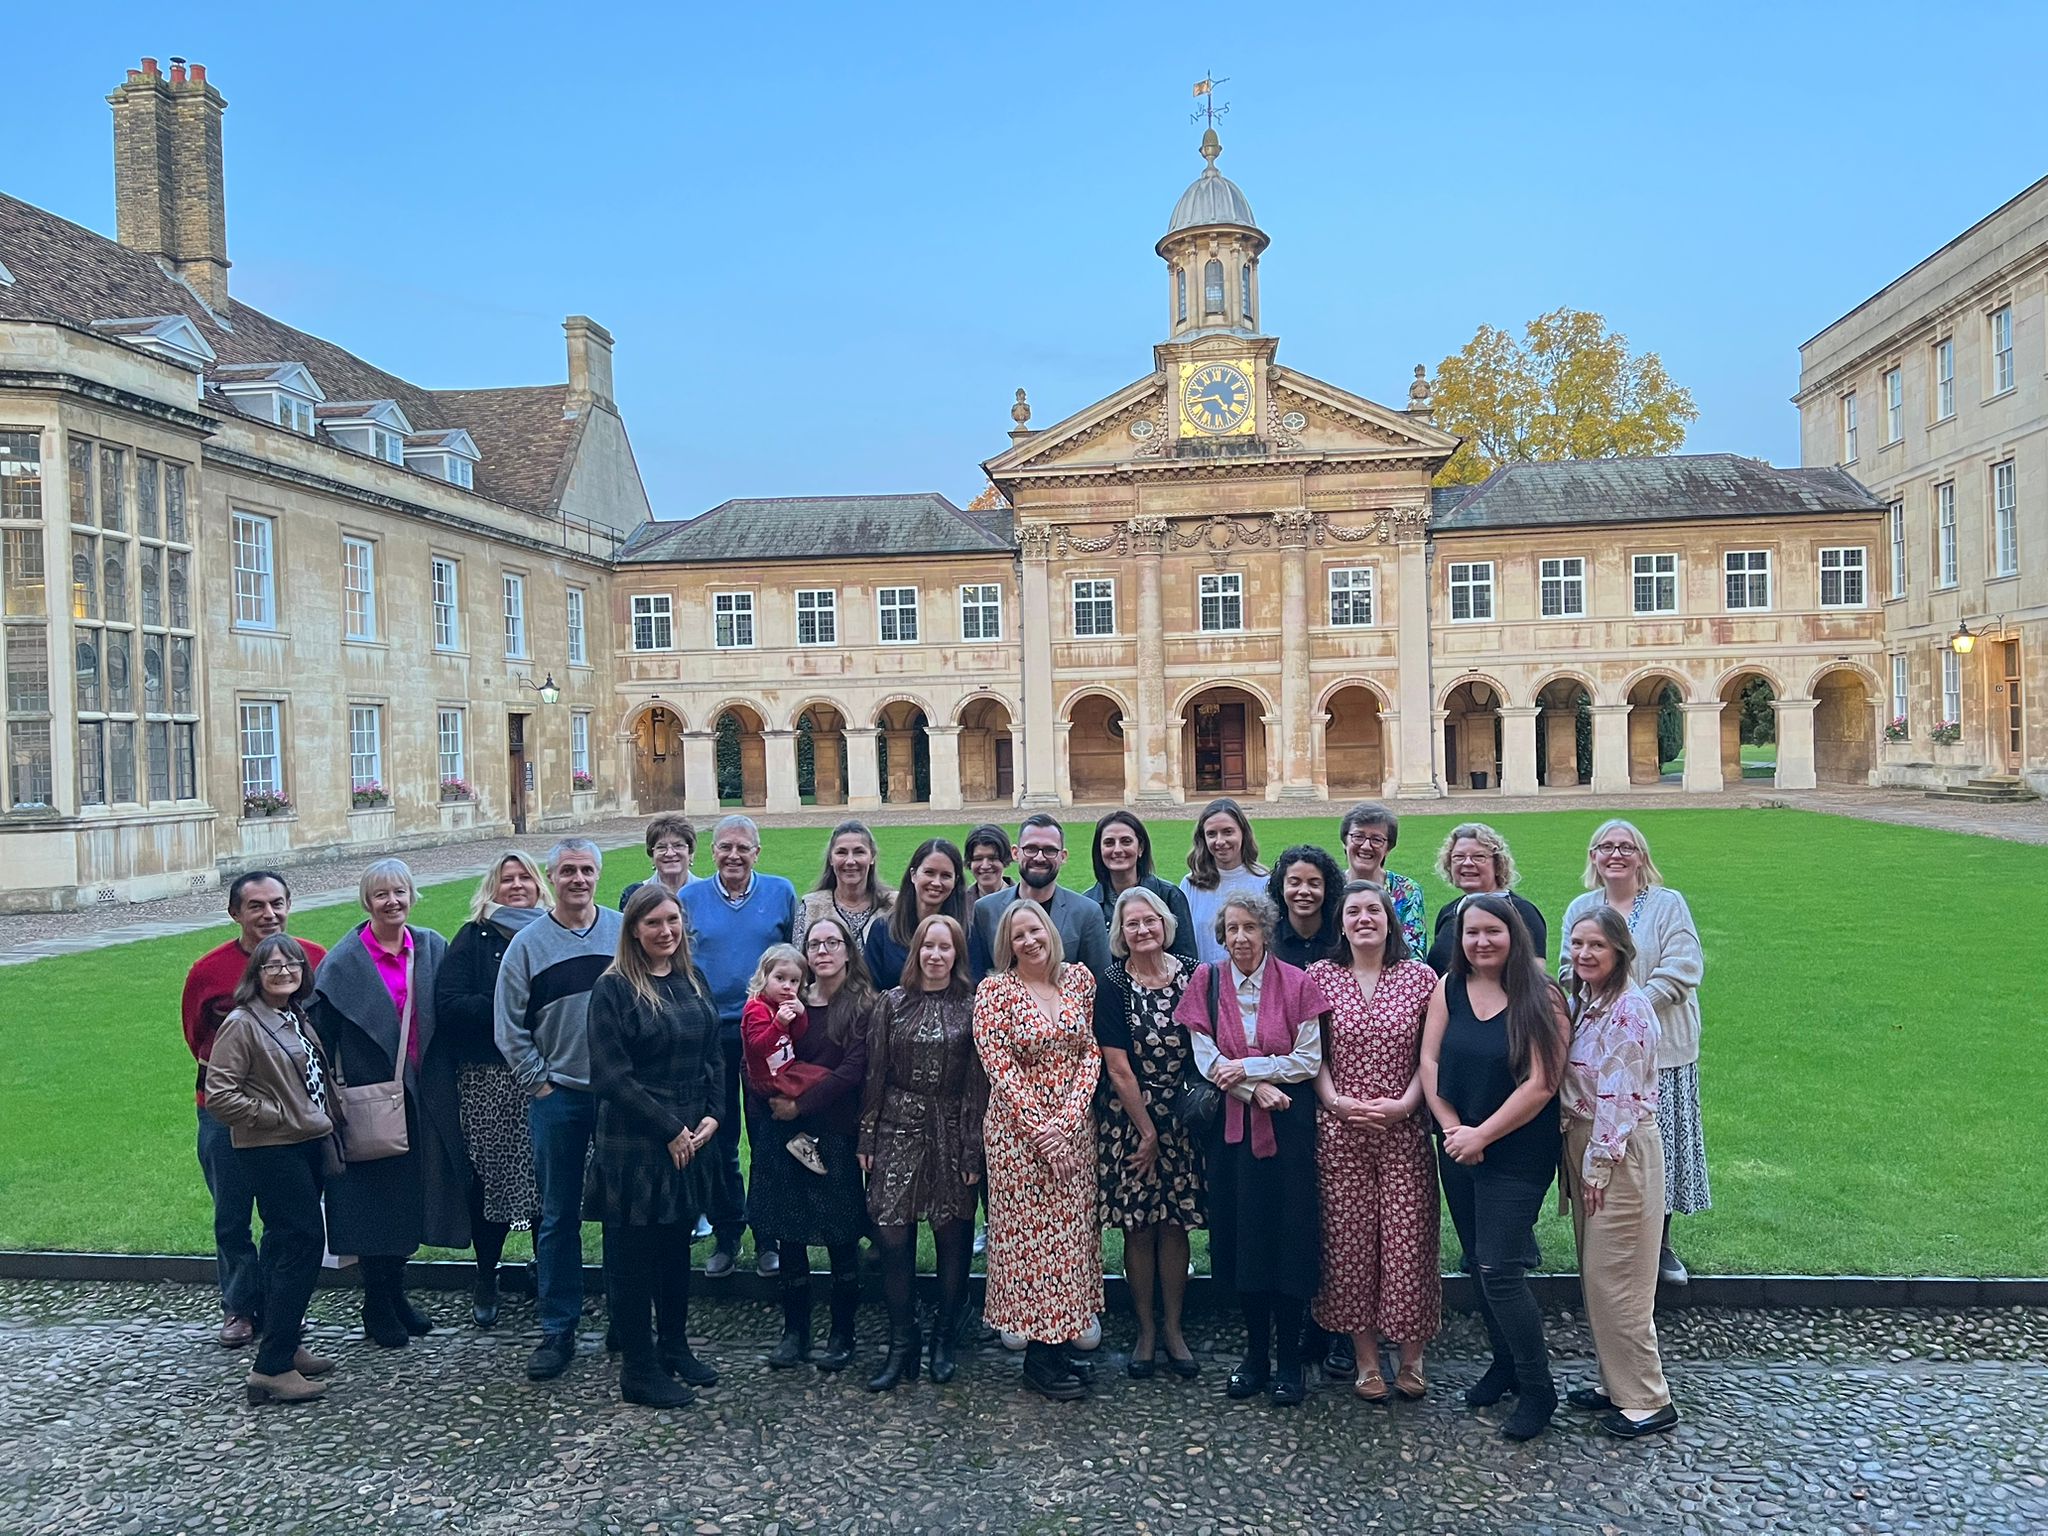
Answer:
(1211, 148)
(1419, 392)
(1020, 413)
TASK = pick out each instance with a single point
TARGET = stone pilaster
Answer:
(1297, 771)
(1702, 747)
(1518, 749)
(700, 774)
(779, 748)
(1795, 743)
(944, 741)
(1035, 621)
(1150, 781)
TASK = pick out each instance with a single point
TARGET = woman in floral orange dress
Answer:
(1033, 1025)
(1373, 1158)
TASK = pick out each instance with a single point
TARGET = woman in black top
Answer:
(491, 1103)
(1493, 1054)
(1308, 888)
(1123, 859)
(1475, 859)
(655, 1070)
(934, 882)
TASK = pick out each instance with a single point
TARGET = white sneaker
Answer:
(703, 1230)
(804, 1148)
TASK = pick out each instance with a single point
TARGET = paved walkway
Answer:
(35, 936)
(118, 1414)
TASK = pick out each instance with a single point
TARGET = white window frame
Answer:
(1849, 564)
(1898, 539)
(654, 621)
(2005, 527)
(514, 586)
(1849, 425)
(1951, 687)
(1643, 568)
(293, 414)
(1901, 685)
(446, 579)
(1894, 405)
(2003, 375)
(451, 755)
(1091, 597)
(260, 726)
(1944, 378)
(1466, 581)
(1350, 589)
(896, 615)
(1739, 570)
(1562, 576)
(981, 611)
(1220, 593)
(577, 607)
(358, 588)
(365, 746)
(579, 743)
(388, 446)
(1946, 570)
(732, 621)
(819, 608)
(254, 539)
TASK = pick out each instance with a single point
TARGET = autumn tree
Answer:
(988, 500)
(1569, 388)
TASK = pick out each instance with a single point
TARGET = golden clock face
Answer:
(1216, 398)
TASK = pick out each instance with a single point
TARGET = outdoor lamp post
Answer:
(546, 688)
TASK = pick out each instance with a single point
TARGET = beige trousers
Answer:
(1618, 1264)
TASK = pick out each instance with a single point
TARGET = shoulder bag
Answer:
(372, 1116)
(1199, 1101)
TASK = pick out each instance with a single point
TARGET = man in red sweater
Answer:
(259, 902)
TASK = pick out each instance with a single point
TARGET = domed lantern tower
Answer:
(1211, 249)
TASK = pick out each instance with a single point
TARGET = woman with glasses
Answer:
(1369, 833)
(671, 845)
(795, 1208)
(1475, 859)
(1621, 875)
(848, 887)
(266, 1081)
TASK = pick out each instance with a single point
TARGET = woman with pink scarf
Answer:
(1255, 1026)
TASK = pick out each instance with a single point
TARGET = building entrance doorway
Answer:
(1220, 748)
(2014, 715)
(521, 773)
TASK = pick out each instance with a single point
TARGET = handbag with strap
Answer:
(1199, 1101)
(372, 1116)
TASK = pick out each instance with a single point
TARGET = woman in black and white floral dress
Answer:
(1149, 1165)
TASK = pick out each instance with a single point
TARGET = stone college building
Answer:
(262, 601)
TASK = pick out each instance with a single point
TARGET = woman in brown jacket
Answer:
(267, 1082)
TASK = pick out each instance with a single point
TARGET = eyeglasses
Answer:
(824, 944)
(1609, 850)
(1367, 840)
(673, 848)
(735, 848)
(1039, 851)
(283, 968)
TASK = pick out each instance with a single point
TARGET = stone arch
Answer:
(1472, 732)
(1745, 669)
(1354, 740)
(1687, 688)
(1564, 701)
(1871, 681)
(1263, 698)
(988, 772)
(1103, 690)
(1097, 721)
(891, 701)
(1732, 689)
(904, 751)
(1500, 689)
(1844, 723)
(1549, 681)
(740, 751)
(1651, 694)
(820, 724)
(656, 728)
(1224, 746)
(1385, 699)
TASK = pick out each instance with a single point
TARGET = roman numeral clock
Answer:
(1216, 399)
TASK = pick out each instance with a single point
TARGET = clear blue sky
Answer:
(832, 240)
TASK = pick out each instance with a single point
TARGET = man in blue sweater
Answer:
(542, 1028)
(732, 919)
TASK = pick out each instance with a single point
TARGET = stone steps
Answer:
(1992, 789)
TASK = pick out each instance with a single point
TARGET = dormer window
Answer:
(390, 447)
(290, 411)
(169, 336)
(284, 393)
(448, 453)
(376, 427)
(1212, 288)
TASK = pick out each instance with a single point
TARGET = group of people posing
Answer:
(1288, 1057)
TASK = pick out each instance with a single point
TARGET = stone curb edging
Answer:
(1746, 1292)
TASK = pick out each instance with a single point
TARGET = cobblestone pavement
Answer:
(118, 1414)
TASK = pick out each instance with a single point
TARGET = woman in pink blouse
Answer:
(1614, 1174)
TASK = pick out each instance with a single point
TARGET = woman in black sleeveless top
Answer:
(1493, 1054)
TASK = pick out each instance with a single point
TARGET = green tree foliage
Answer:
(1569, 388)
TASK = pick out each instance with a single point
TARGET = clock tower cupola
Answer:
(1211, 249)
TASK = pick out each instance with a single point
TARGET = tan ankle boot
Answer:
(309, 1365)
(285, 1387)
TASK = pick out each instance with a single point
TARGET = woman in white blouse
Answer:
(1255, 1030)
(1621, 875)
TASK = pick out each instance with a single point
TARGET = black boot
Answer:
(900, 1364)
(1521, 1324)
(381, 1322)
(794, 1347)
(483, 1297)
(945, 1331)
(1046, 1372)
(845, 1308)
(643, 1381)
(1499, 1379)
(410, 1317)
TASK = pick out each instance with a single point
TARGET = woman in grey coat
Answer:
(381, 1211)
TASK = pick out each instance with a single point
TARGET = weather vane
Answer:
(1205, 88)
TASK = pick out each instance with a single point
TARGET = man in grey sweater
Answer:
(542, 1030)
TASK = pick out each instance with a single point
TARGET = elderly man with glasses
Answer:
(1041, 854)
(733, 918)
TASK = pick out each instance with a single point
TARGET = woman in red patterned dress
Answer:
(1373, 1158)
(1034, 1028)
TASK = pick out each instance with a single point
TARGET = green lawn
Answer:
(1874, 1080)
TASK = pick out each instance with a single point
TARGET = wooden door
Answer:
(1006, 773)
(2015, 710)
(1231, 744)
(515, 735)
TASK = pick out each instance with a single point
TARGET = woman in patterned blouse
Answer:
(1614, 1174)
(1369, 833)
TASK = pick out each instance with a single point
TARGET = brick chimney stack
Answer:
(169, 189)
(590, 361)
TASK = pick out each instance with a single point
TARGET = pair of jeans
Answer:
(562, 1123)
(234, 1249)
(286, 1185)
(1495, 1216)
(728, 1202)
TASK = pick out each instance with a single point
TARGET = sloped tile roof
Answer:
(67, 273)
(1670, 488)
(820, 528)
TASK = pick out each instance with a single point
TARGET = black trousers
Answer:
(647, 1273)
(728, 1202)
(286, 1183)
(1495, 1216)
